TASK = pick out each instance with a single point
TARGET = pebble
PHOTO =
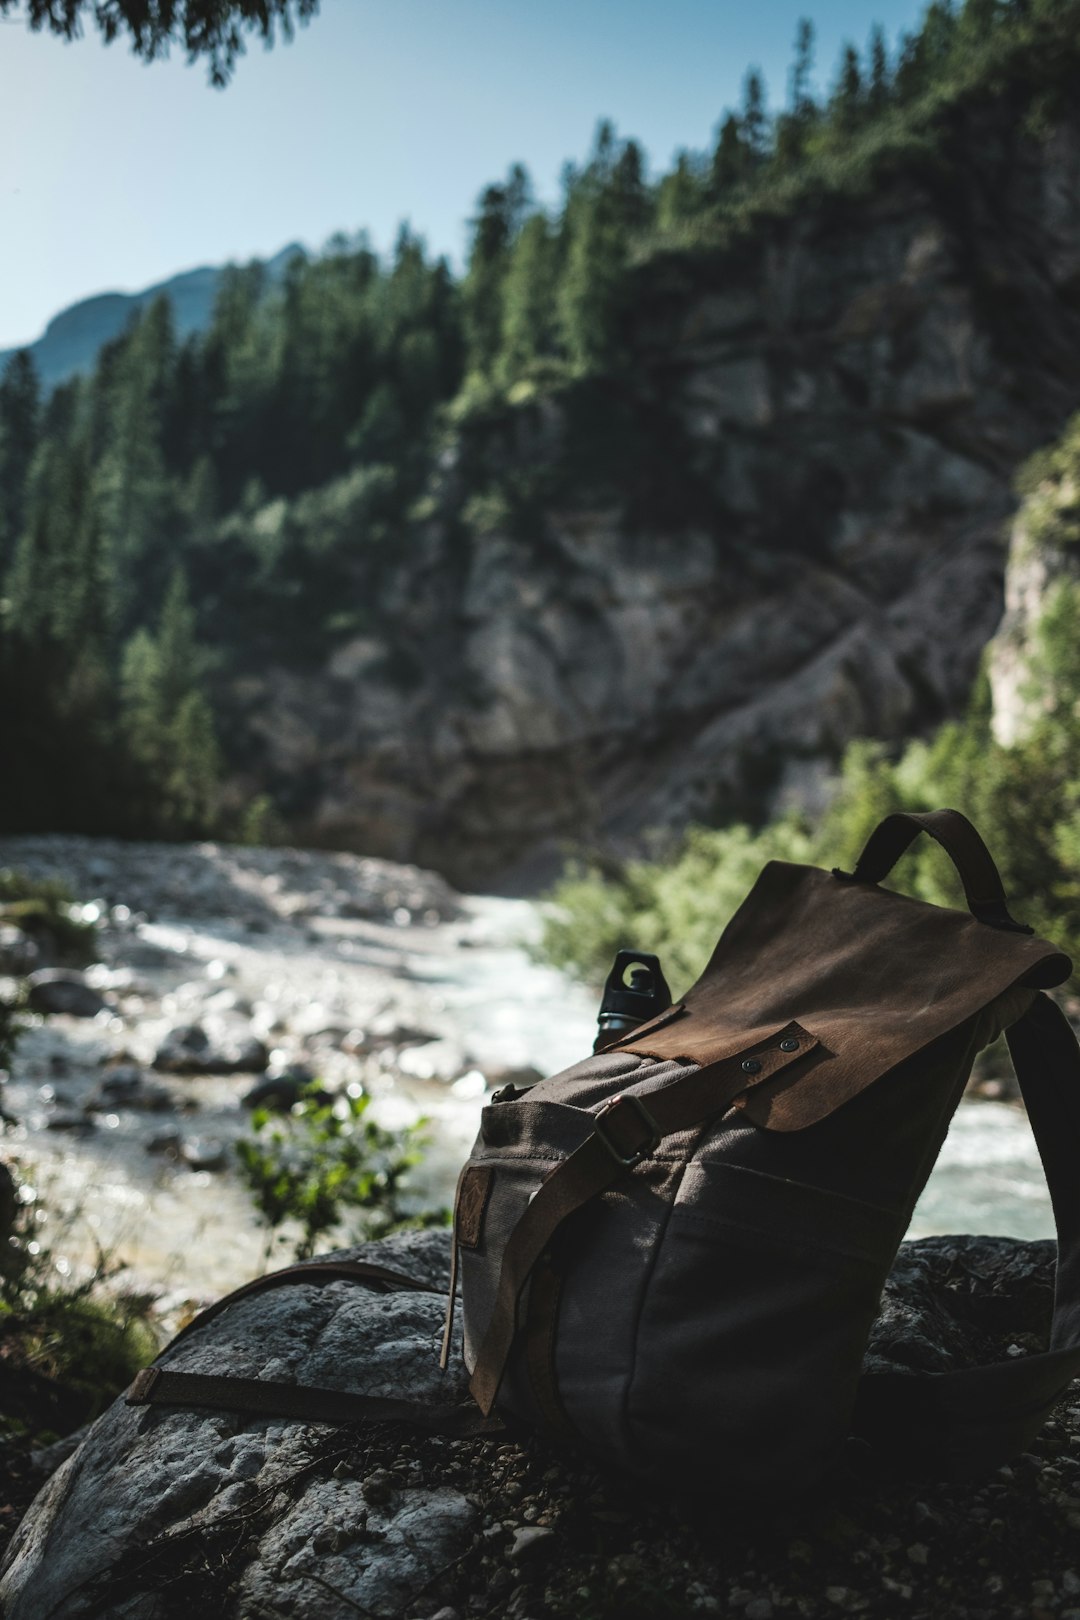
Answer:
(65, 1119)
(378, 1487)
(204, 1153)
(531, 1542)
(63, 990)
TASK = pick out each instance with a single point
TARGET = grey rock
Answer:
(143, 1471)
(280, 1088)
(70, 1119)
(326, 1538)
(531, 1543)
(223, 1047)
(127, 1087)
(63, 990)
(46, 1460)
(950, 1301)
(204, 1153)
(19, 954)
(168, 1143)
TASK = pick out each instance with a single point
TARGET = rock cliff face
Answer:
(846, 396)
(1039, 565)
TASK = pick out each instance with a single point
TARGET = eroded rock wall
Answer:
(848, 396)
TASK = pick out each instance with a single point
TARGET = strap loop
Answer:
(983, 888)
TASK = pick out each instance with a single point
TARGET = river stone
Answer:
(63, 990)
(127, 1087)
(281, 1087)
(219, 1047)
(322, 1533)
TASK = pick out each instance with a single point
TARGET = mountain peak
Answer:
(73, 338)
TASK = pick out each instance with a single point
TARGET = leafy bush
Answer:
(675, 907)
(67, 1349)
(45, 909)
(327, 1161)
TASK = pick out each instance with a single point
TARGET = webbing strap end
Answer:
(141, 1390)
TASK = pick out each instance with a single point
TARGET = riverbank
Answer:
(323, 964)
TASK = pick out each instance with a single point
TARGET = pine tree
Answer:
(680, 195)
(180, 659)
(193, 780)
(135, 495)
(729, 161)
(483, 289)
(142, 711)
(629, 191)
(847, 98)
(754, 120)
(528, 299)
(878, 93)
(801, 99)
(167, 723)
(20, 411)
(793, 125)
(977, 20)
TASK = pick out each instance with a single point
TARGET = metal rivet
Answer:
(750, 1065)
(789, 1045)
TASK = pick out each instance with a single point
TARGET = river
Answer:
(272, 945)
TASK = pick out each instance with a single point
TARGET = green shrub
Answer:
(67, 1349)
(328, 1163)
(45, 909)
(675, 906)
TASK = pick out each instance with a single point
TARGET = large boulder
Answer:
(170, 1512)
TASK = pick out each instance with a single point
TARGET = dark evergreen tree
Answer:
(846, 105)
(800, 96)
(208, 30)
(20, 412)
(878, 90)
(528, 299)
(754, 120)
(729, 161)
(482, 291)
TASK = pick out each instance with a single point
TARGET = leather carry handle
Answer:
(960, 1423)
(983, 887)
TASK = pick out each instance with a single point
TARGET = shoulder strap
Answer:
(160, 1386)
(961, 1422)
(983, 887)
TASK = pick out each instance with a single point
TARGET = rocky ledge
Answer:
(162, 1513)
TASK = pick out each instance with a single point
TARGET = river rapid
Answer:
(364, 973)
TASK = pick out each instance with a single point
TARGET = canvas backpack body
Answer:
(671, 1254)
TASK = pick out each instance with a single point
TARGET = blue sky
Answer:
(115, 174)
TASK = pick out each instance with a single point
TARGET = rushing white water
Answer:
(471, 984)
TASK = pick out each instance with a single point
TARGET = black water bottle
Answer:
(636, 991)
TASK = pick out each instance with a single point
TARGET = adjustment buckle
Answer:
(628, 1161)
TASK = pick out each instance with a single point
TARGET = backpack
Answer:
(671, 1254)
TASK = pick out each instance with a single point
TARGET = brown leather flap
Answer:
(873, 975)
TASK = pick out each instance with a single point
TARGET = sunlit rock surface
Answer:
(845, 398)
(163, 1512)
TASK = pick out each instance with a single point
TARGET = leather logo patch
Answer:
(476, 1186)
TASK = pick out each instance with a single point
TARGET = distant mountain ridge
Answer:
(73, 338)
